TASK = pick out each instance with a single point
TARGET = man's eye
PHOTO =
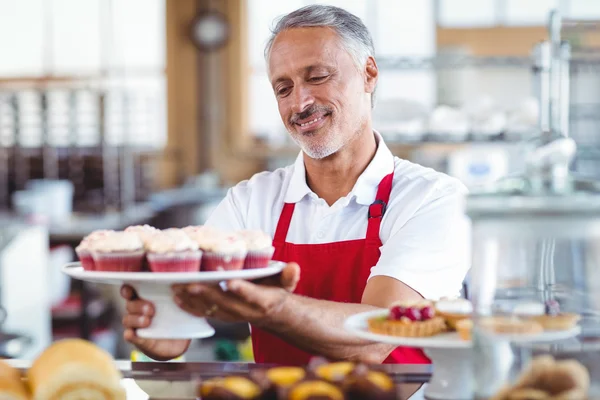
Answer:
(317, 78)
(283, 91)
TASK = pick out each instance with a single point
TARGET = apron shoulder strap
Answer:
(378, 208)
(283, 225)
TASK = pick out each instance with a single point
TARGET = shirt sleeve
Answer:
(431, 251)
(229, 215)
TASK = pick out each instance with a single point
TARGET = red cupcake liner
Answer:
(86, 259)
(258, 258)
(213, 261)
(185, 261)
(119, 261)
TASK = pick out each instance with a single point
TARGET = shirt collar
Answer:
(366, 185)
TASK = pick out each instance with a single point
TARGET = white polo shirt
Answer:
(424, 234)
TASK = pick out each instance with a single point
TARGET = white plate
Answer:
(169, 321)
(358, 325)
(452, 377)
(75, 270)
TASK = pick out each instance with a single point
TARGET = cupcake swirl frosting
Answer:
(88, 242)
(118, 241)
(170, 240)
(255, 239)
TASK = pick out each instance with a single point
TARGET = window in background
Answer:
(109, 50)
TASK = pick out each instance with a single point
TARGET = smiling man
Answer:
(359, 227)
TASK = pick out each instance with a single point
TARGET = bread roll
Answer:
(12, 386)
(75, 369)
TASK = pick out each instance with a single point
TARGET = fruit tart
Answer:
(553, 319)
(409, 320)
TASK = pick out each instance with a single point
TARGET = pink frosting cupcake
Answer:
(119, 251)
(221, 251)
(260, 248)
(172, 250)
(145, 232)
(84, 250)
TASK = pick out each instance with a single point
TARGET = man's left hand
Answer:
(242, 301)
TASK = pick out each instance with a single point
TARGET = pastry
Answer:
(548, 379)
(172, 250)
(315, 390)
(464, 327)
(119, 251)
(365, 384)
(260, 248)
(334, 372)
(454, 310)
(275, 381)
(145, 232)
(12, 386)
(221, 251)
(552, 319)
(409, 320)
(84, 249)
(75, 369)
(510, 326)
(229, 388)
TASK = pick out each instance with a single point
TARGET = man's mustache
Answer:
(308, 112)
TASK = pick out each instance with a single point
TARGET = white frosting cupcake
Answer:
(256, 240)
(118, 242)
(145, 232)
(170, 241)
(206, 237)
(88, 242)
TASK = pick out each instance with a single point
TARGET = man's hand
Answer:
(242, 301)
(139, 315)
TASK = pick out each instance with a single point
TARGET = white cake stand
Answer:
(169, 322)
(452, 377)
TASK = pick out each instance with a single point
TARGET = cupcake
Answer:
(118, 251)
(260, 248)
(145, 232)
(454, 310)
(172, 250)
(84, 250)
(409, 320)
(221, 251)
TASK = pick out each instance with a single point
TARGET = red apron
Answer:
(331, 271)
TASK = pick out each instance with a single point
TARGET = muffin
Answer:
(221, 251)
(118, 252)
(171, 250)
(84, 250)
(453, 310)
(229, 388)
(314, 389)
(274, 382)
(363, 383)
(409, 320)
(260, 248)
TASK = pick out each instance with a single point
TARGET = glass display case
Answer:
(535, 280)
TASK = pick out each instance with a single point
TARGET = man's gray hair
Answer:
(354, 35)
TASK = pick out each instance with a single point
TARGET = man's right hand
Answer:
(139, 315)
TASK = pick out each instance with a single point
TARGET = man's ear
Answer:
(371, 75)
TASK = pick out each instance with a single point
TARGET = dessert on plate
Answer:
(417, 319)
(260, 248)
(118, 252)
(550, 317)
(453, 310)
(84, 250)
(171, 250)
(226, 252)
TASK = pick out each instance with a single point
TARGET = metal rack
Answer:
(87, 134)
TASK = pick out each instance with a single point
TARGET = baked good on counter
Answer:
(260, 248)
(12, 386)
(315, 389)
(75, 369)
(172, 250)
(119, 252)
(230, 388)
(84, 250)
(417, 319)
(453, 310)
(275, 382)
(548, 379)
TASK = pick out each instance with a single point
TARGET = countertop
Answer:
(178, 380)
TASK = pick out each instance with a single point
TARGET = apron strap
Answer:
(283, 225)
(377, 209)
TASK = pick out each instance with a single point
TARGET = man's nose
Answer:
(303, 98)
